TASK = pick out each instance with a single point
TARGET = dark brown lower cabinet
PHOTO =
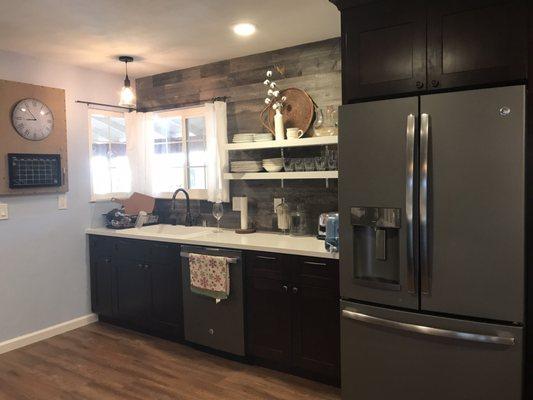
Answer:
(137, 284)
(269, 333)
(166, 298)
(293, 320)
(316, 333)
(101, 285)
(133, 291)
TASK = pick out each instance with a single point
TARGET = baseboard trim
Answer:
(46, 333)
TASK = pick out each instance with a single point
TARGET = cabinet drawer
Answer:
(100, 246)
(316, 272)
(266, 265)
(128, 249)
(159, 252)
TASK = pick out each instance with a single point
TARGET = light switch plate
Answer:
(62, 202)
(4, 212)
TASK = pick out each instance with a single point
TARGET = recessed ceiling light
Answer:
(244, 29)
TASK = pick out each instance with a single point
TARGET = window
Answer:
(179, 152)
(110, 169)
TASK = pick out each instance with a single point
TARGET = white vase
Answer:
(279, 129)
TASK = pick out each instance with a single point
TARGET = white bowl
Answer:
(273, 168)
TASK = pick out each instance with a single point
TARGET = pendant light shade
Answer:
(127, 97)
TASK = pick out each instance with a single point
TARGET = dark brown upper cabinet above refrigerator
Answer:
(393, 48)
(384, 49)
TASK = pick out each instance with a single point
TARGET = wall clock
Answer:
(32, 119)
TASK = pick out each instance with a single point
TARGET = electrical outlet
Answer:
(4, 212)
(62, 202)
(277, 201)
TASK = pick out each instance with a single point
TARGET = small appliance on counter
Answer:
(322, 220)
(332, 232)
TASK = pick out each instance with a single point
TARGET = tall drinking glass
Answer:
(218, 212)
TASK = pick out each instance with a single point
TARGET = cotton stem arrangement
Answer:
(273, 94)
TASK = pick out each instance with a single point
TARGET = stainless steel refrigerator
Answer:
(431, 200)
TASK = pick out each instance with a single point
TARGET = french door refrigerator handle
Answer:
(423, 207)
(409, 203)
(427, 330)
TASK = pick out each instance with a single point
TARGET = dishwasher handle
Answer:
(231, 260)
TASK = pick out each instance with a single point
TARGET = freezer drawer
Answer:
(390, 354)
(218, 326)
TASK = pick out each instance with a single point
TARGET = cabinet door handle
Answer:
(107, 260)
(435, 83)
(146, 266)
(267, 258)
(285, 288)
(294, 290)
(318, 264)
(419, 85)
(140, 266)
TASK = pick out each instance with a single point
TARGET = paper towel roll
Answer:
(244, 212)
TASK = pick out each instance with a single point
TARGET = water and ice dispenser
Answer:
(376, 246)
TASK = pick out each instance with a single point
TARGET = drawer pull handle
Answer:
(295, 290)
(427, 330)
(315, 263)
(267, 258)
(285, 288)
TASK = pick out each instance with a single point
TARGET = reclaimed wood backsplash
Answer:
(314, 67)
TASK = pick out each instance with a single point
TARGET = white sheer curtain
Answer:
(139, 137)
(217, 155)
(140, 151)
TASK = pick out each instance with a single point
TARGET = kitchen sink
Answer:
(170, 230)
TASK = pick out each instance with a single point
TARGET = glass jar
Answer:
(298, 222)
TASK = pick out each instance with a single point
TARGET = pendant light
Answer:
(127, 98)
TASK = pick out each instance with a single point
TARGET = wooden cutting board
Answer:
(136, 203)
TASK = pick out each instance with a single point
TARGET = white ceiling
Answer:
(162, 35)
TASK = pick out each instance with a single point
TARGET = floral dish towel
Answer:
(209, 275)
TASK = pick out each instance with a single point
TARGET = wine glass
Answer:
(218, 212)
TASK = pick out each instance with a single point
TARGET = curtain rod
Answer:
(180, 105)
(92, 103)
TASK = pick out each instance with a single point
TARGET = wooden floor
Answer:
(104, 362)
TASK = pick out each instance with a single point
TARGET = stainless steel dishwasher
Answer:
(216, 325)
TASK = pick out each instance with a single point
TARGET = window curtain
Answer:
(139, 135)
(217, 155)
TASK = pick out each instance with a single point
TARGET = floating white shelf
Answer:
(277, 144)
(282, 175)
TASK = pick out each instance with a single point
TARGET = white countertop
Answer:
(202, 236)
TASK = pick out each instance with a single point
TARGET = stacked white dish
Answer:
(263, 137)
(273, 164)
(243, 137)
(246, 166)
